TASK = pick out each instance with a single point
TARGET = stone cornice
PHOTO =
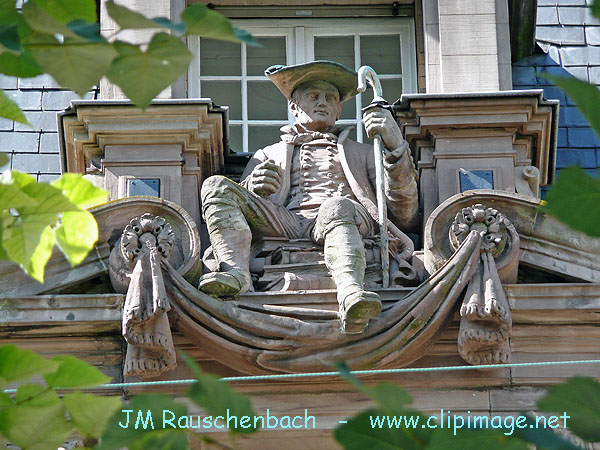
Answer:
(525, 115)
(88, 126)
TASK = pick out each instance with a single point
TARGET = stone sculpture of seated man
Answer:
(315, 183)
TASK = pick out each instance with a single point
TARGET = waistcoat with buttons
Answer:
(316, 175)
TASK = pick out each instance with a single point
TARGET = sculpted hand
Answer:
(265, 179)
(380, 121)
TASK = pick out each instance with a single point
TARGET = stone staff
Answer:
(366, 74)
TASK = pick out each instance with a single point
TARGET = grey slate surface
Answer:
(570, 36)
(35, 149)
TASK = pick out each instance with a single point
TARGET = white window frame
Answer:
(300, 34)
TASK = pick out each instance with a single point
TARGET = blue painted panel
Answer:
(143, 186)
(476, 179)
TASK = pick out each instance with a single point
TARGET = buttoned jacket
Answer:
(358, 164)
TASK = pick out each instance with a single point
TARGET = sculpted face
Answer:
(316, 105)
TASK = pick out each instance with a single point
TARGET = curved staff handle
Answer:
(366, 74)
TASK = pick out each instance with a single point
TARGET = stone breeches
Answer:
(268, 219)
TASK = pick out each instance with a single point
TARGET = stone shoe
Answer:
(356, 308)
(226, 284)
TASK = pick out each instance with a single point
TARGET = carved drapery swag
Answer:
(486, 323)
(135, 269)
(258, 337)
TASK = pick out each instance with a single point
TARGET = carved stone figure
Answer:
(315, 183)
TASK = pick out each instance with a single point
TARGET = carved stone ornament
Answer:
(135, 268)
(255, 335)
(485, 323)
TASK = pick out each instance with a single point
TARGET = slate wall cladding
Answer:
(34, 149)
(570, 37)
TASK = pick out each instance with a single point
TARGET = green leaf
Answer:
(143, 75)
(9, 38)
(166, 23)
(33, 394)
(35, 427)
(360, 434)
(585, 95)
(19, 364)
(13, 197)
(466, 439)
(244, 36)
(3, 160)
(22, 65)
(4, 400)
(42, 22)
(218, 398)
(542, 437)
(10, 110)
(76, 235)
(79, 191)
(74, 373)
(86, 30)
(91, 413)
(145, 418)
(204, 22)
(163, 440)
(575, 190)
(389, 397)
(76, 64)
(30, 244)
(596, 8)
(579, 398)
(128, 19)
(67, 11)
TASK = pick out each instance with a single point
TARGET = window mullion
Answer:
(244, 99)
(357, 64)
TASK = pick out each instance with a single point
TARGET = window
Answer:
(232, 74)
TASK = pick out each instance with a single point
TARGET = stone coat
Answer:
(358, 163)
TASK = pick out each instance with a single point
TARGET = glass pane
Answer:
(261, 136)
(338, 48)
(265, 101)
(235, 138)
(220, 58)
(349, 109)
(392, 90)
(224, 93)
(382, 53)
(272, 52)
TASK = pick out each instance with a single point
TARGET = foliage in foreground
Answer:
(579, 398)
(36, 416)
(62, 38)
(36, 216)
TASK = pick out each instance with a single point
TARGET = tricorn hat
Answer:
(288, 78)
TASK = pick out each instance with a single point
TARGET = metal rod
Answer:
(366, 74)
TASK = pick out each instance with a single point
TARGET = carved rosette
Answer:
(135, 268)
(485, 313)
